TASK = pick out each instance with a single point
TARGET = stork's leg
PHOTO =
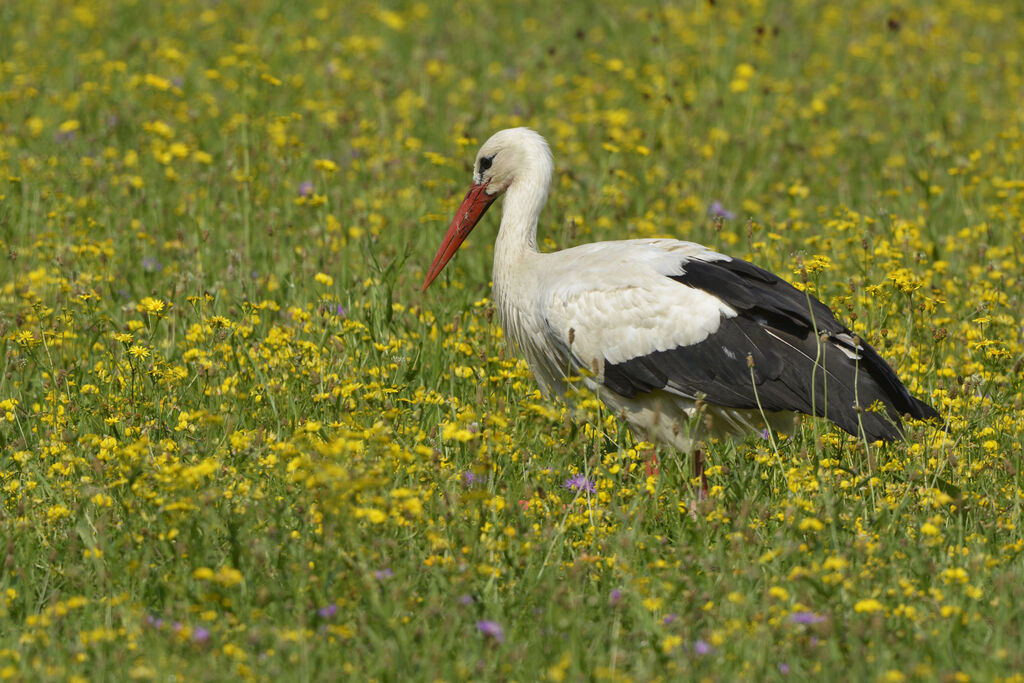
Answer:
(651, 463)
(651, 469)
(698, 471)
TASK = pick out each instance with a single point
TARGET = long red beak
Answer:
(472, 209)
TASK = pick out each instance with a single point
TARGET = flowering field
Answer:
(236, 441)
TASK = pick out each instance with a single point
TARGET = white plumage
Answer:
(663, 328)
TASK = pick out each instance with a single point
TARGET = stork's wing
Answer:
(691, 329)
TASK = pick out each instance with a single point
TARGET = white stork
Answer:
(665, 331)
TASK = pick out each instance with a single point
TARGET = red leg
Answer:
(698, 471)
(651, 464)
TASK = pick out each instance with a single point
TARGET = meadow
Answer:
(237, 442)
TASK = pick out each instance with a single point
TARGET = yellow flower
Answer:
(653, 603)
(744, 70)
(373, 514)
(868, 605)
(203, 574)
(324, 279)
(798, 190)
(228, 576)
(56, 512)
(817, 263)
(670, 643)
(452, 431)
(150, 305)
(811, 524)
(392, 19)
(156, 82)
(954, 575)
(138, 351)
(7, 407)
(905, 281)
(26, 339)
(325, 165)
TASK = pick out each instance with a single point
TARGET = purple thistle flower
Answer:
(580, 483)
(716, 210)
(465, 599)
(806, 618)
(614, 597)
(328, 611)
(492, 629)
(200, 634)
(702, 647)
(783, 668)
(305, 188)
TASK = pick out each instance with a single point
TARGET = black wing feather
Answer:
(779, 327)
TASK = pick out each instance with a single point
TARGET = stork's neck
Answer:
(517, 236)
(516, 259)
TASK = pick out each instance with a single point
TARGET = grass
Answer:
(237, 442)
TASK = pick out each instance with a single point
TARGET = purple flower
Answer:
(614, 597)
(783, 668)
(492, 629)
(155, 622)
(328, 611)
(151, 265)
(200, 634)
(580, 483)
(470, 478)
(466, 599)
(806, 618)
(718, 211)
(305, 188)
(382, 574)
(669, 618)
(702, 647)
(765, 434)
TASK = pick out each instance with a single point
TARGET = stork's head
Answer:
(510, 156)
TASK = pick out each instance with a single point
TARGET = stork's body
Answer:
(663, 329)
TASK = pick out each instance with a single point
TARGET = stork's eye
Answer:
(485, 163)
